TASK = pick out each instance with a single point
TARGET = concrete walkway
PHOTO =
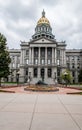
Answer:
(37, 111)
(21, 90)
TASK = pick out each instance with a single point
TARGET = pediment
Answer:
(43, 41)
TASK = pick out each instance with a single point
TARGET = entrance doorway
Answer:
(42, 73)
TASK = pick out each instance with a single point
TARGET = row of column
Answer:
(31, 55)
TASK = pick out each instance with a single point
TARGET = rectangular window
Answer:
(35, 61)
(67, 58)
(18, 65)
(73, 74)
(13, 65)
(78, 58)
(58, 62)
(78, 65)
(58, 54)
(27, 52)
(35, 72)
(68, 65)
(49, 61)
(27, 61)
(42, 73)
(72, 57)
(49, 52)
(42, 52)
(26, 71)
(42, 61)
(49, 72)
(36, 52)
(73, 65)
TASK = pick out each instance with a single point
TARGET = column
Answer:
(46, 76)
(39, 57)
(29, 56)
(61, 57)
(39, 73)
(64, 58)
(32, 55)
(45, 55)
(52, 56)
(22, 57)
(55, 56)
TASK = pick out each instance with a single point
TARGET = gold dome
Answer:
(43, 19)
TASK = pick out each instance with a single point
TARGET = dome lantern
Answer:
(43, 19)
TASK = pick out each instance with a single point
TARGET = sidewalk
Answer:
(61, 90)
(37, 111)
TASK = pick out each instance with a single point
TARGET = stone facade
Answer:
(44, 58)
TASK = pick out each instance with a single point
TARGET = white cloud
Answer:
(19, 18)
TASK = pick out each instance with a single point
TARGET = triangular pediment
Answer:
(43, 40)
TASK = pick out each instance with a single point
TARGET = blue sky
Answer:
(18, 20)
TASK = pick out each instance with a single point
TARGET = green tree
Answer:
(67, 77)
(80, 76)
(4, 58)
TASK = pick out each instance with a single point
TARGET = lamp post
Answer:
(17, 78)
(65, 74)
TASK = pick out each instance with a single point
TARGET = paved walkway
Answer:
(20, 111)
(61, 90)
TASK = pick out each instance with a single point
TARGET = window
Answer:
(78, 65)
(13, 65)
(72, 57)
(49, 72)
(18, 65)
(13, 58)
(49, 61)
(42, 73)
(36, 52)
(73, 74)
(58, 72)
(44, 29)
(26, 71)
(58, 54)
(43, 52)
(78, 58)
(68, 65)
(38, 29)
(42, 61)
(36, 61)
(18, 58)
(27, 52)
(58, 62)
(35, 72)
(47, 29)
(67, 58)
(27, 61)
(49, 51)
(73, 65)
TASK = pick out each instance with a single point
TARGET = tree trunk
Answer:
(0, 82)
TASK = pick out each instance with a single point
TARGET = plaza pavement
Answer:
(40, 111)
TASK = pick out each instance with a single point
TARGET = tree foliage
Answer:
(80, 76)
(67, 77)
(4, 58)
